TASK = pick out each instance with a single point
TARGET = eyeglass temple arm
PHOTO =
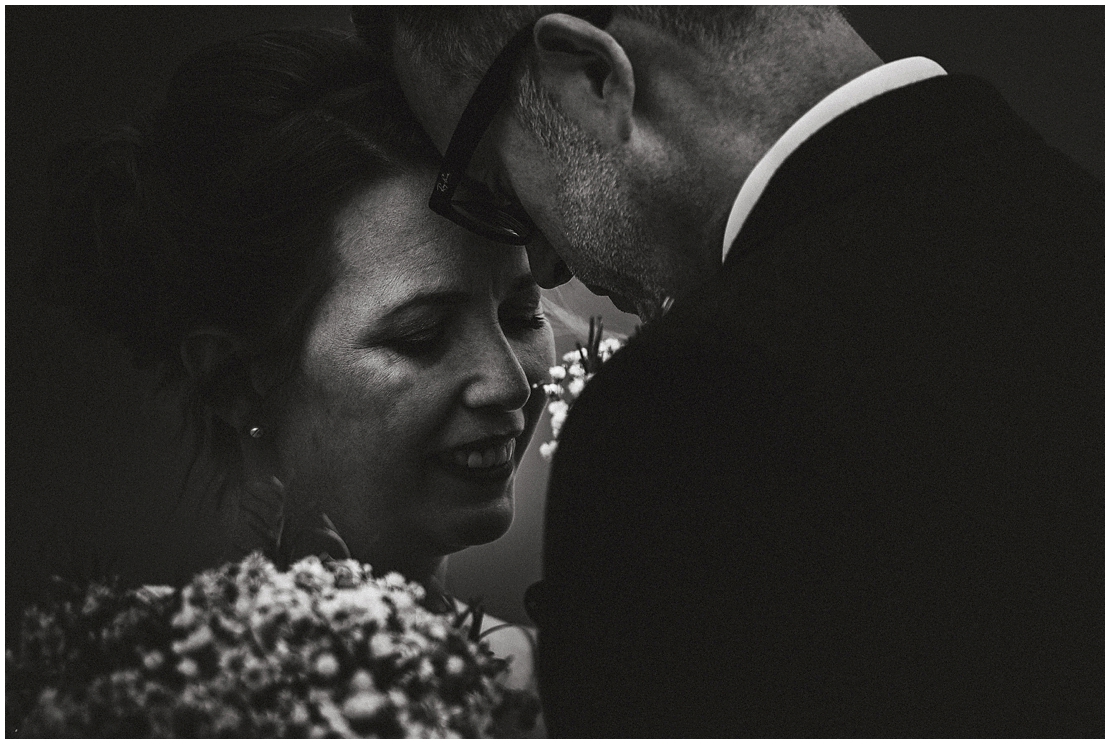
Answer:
(489, 92)
(485, 97)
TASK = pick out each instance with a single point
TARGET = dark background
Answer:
(93, 467)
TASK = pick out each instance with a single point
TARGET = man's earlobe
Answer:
(588, 72)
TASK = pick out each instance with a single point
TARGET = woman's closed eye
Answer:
(417, 342)
(533, 320)
(415, 331)
(522, 312)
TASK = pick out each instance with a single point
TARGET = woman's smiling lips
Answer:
(484, 457)
(490, 458)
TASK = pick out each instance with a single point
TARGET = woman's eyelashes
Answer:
(413, 334)
(429, 339)
(529, 321)
(417, 343)
(522, 314)
(427, 331)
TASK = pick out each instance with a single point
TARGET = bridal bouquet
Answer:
(321, 650)
(569, 379)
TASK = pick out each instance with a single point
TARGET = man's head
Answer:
(624, 137)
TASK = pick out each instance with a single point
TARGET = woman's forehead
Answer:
(390, 245)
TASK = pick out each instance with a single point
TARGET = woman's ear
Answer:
(589, 74)
(215, 362)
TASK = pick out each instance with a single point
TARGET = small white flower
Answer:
(437, 630)
(610, 345)
(362, 681)
(188, 616)
(187, 667)
(403, 600)
(363, 705)
(299, 715)
(195, 641)
(153, 660)
(572, 356)
(455, 665)
(558, 410)
(558, 372)
(152, 593)
(327, 666)
(381, 645)
(547, 449)
(574, 387)
(553, 390)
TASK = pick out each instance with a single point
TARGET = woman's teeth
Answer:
(488, 457)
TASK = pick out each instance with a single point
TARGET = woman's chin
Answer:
(480, 524)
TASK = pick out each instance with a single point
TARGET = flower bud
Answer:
(327, 666)
(455, 666)
(362, 681)
(363, 704)
(153, 660)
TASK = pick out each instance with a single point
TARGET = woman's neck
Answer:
(259, 465)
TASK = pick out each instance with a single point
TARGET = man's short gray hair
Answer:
(457, 43)
(460, 41)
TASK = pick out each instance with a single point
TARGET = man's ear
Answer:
(588, 72)
(215, 362)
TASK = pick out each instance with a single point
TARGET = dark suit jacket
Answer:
(854, 485)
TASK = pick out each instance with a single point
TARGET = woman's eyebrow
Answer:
(524, 284)
(431, 298)
(403, 313)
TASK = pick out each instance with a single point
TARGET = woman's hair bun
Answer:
(104, 254)
(215, 210)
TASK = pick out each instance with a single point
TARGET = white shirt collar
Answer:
(867, 86)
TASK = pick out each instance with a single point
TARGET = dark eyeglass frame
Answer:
(506, 223)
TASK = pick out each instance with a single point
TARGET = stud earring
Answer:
(256, 432)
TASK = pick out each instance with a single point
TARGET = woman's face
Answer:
(414, 400)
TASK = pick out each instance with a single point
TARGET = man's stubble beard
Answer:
(608, 244)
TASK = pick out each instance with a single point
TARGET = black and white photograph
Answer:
(555, 371)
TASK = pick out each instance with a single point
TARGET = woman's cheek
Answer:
(414, 402)
(538, 354)
(536, 358)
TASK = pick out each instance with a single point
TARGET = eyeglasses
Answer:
(476, 208)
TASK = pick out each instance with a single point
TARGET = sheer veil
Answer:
(569, 308)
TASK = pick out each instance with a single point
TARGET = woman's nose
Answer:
(498, 379)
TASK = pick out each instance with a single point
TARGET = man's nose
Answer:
(547, 268)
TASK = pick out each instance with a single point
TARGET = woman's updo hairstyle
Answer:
(215, 211)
